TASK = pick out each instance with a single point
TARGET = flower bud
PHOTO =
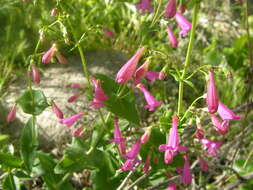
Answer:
(54, 12)
(212, 99)
(57, 110)
(35, 74)
(12, 114)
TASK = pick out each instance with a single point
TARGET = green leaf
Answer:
(33, 102)
(213, 57)
(11, 183)
(75, 159)
(122, 107)
(29, 143)
(3, 139)
(10, 160)
(47, 164)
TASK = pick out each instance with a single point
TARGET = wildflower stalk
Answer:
(81, 55)
(156, 13)
(250, 54)
(188, 56)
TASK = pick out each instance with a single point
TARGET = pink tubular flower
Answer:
(35, 74)
(200, 133)
(118, 138)
(186, 175)
(172, 186)
(46, 58)
(129, 165)
(57, 111)
(144, 6)
(117, 134)
(227, 114)
(54, 12)
(162, 75)
(141, 72)
(71, 120)
(99, 97)
(173, 143)
(76, 85)
(78, 132)
(172, 38)
(12, 114)
(152, 76)
(220, 126)
(212, 146)
(134, 150)
(203, 164)
(181, 8)
(146, 166)
(184, 24)
(171, 9)
(126, 72)
(61, 59)
(108, 33)
(73, 98)
(152, 102)
(212, 99)
(146, 135)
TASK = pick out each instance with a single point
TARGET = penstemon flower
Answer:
(227, 114)
(12, 114)
(108, 33)
(146, 135)
(220, 126)
(141, 72)
(54, 12)
(71, 120)
(118, 138)
(57, 110)
(152, 102)
(134, 150)
(184, 24)
(145, 6)
(152, 76)
(172, 186)
(78, 132)
(75, 85)
(172, 38)
(73, 98)
(61, 58)
(129, 165)
(203, 164)
(173, 146)
(46, 58)
(146, 166)
(212, 146)
(212, 99)
(186, 177)
(171, 9)
(99, 96)
(35, 74)
(181, 8)
(126, 72)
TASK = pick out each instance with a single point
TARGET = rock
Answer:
(53, 84)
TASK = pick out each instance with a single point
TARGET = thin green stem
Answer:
(197, 99)
(65, 177)
(156, 13)
(188, 57)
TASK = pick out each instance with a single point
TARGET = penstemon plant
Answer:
(123, 148)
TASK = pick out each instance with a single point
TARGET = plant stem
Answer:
(156, 13)
(122, 185)
(189, 108)
(188, 56)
